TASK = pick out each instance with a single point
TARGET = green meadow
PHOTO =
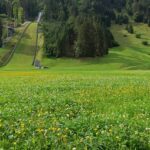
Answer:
(78, 104)
(75, 110)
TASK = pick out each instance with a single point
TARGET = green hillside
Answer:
(130, 55)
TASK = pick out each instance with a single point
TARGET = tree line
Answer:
(30, 7)
(78, 28)
(17, 11)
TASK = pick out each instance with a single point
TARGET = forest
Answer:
(78, 28)
(81, 28)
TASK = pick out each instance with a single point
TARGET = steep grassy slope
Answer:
(131, 54)
(24, 53)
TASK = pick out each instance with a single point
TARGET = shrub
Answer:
(138, 36)
(138, 17)
(115, 44)
(149, 22)
(122, 19)
(1, 33)
(145, 43)
(130, 28)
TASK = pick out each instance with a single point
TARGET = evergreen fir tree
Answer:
(1, 33)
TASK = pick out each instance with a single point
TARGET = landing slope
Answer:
(10, 43)
(24, 53)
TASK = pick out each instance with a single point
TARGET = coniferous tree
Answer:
(86, 39)
(21, 15)
(130, 29)
(1, 33)
(149, 22)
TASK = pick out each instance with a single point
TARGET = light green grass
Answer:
(75, 110)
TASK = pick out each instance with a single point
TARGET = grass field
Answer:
(78, 104)
(80, 110)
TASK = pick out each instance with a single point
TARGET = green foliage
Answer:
(130, 28)
(31, 8)
(84, 32)
(15, 11)
(18, 12)
(1, 33)
(86, 44)
(138, 17)
(145, 43)
(2, 7)
(141, 10)
(138, 36)
(21, 15)
(81, 37)
(86, 39)
(149, 22)
(122, 19)
(55, 35)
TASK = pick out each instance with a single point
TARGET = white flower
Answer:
(148, 129)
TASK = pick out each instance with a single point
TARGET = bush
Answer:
(122, 19)
(1, 33)
(115, 44)
(130, 28)
(138, 36)
(149, 22)
(138, 17)
(145, 43)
